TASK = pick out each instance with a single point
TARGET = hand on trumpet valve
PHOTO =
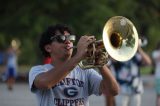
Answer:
(82, 45)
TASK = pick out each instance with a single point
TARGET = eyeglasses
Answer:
(63, 38)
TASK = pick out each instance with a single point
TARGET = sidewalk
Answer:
(148, 81)
(149, 95)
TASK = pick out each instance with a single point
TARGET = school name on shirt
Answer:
(70, 92)
(68, 102)
(70, 81)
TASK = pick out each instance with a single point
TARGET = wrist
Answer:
(102, 68)
(77, 58)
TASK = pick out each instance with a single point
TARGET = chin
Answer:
(68, 53)
(66, 57)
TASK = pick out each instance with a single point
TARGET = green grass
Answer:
(146, 70)
(24, 68)
(143, 70)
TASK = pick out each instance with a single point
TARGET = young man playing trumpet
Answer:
(63, 82)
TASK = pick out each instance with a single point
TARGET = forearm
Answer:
(52, 77)
(145, 57)
(109, 85)
(110, 100)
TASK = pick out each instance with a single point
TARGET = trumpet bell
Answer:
(120, 38)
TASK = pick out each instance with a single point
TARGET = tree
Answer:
(26, 20)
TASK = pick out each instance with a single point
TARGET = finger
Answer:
(91, 37)
(90, 40)
(85, 38)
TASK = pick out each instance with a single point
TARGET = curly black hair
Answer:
(50, 32)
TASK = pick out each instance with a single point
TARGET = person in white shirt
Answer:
(11, 67)
(156, 61)
(129, 78)
(63, 82)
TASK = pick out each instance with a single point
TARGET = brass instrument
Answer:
(120, 42)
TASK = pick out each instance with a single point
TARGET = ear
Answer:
(48, 48)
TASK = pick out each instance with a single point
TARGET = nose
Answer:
(67, 41)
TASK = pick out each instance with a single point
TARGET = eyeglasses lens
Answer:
(63, 38)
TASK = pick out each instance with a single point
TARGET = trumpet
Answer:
(119, 41)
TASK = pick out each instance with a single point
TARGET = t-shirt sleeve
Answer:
(94, 82)
(36, 70)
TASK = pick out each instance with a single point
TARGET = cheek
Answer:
(56, 50)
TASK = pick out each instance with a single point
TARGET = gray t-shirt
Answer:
(73, 90)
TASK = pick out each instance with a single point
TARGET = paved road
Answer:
(21, 96)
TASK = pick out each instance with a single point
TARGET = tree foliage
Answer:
(26, 20)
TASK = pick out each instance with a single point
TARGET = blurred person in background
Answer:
(156, 67)
(10, 67)
(2, 54)
(63, 82)
(129, 78)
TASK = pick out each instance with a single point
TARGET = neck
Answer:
(59, 62)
